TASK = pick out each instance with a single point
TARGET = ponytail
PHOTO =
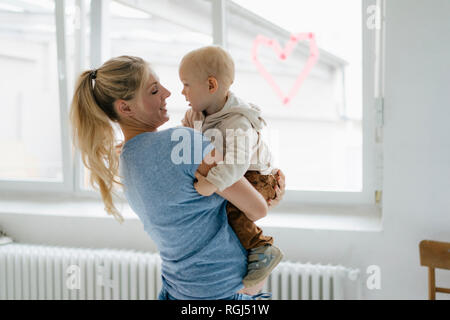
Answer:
(92, 115)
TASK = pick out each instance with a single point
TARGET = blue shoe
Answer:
(262, 261)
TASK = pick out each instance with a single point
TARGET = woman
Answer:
(201, 255)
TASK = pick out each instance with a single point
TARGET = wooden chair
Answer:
(434, 254)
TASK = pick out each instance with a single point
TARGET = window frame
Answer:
(373, 91)
(66, 185)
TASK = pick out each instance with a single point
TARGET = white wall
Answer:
(416, 171)
(417, 140)
(416, 188)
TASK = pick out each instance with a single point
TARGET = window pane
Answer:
(30, 124)
(317, 138)
(161, 32)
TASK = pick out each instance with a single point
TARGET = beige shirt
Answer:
(236, 132)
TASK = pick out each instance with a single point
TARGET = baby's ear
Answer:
(213, 84)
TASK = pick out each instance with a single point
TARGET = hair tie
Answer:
(93, 74)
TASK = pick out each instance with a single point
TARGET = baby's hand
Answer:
(119, 148)
(203, 186)
(280, 189)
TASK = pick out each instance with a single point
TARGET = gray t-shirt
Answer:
(202, 258)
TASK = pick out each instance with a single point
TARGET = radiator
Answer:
(57, 273)
(296, 281)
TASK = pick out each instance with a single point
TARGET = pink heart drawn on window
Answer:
(283, 54)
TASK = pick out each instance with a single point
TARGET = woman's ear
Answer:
(213, 84)
(123, 108)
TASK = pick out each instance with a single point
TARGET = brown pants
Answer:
(247, 231)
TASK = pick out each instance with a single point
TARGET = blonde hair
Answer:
(92, 115)
(211, 61)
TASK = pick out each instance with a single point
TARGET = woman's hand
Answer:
(203, 186)
(251, 291)
(280, 189)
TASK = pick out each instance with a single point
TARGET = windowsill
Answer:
(316, 217)
(325, 217)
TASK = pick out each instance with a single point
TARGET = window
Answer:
(161, 32)
(30, 137)
(325, 140)
(317, 137)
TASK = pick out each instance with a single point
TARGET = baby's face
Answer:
(194, 90)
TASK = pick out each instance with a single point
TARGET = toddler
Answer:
(207, 74)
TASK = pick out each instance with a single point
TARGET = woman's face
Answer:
(151, 103)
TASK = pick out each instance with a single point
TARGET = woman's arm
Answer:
(242, 194)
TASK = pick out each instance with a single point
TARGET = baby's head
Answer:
(207, 74)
